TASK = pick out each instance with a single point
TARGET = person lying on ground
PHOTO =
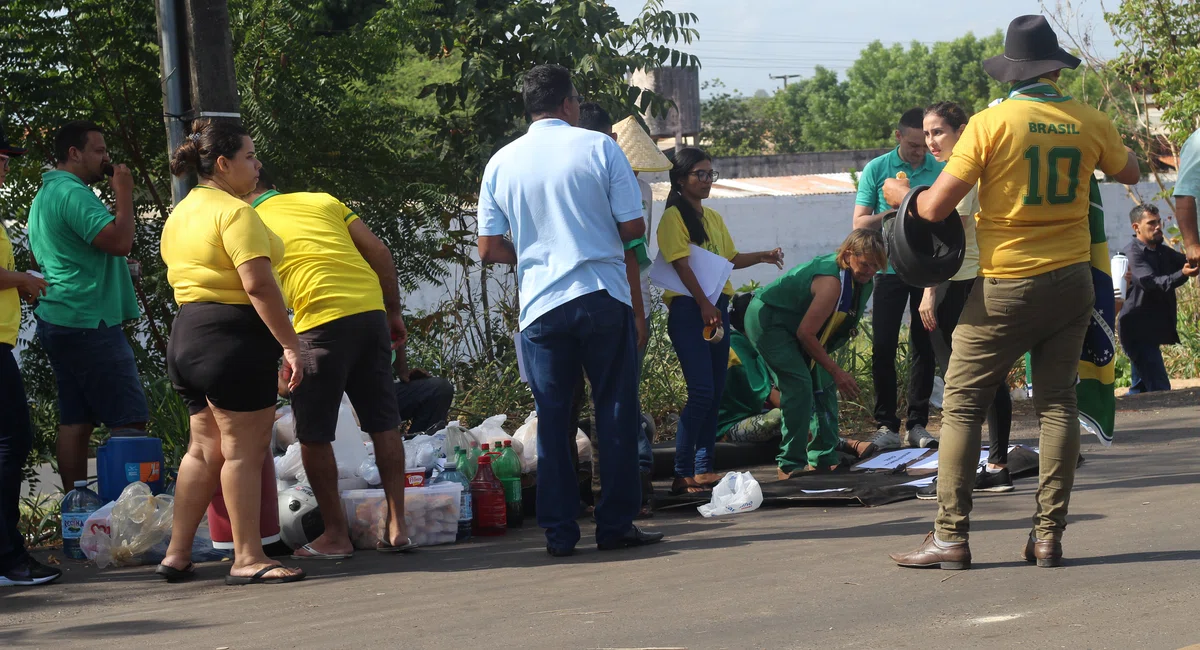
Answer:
(341, 282)
(795, 323)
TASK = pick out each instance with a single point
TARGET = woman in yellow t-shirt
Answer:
(226, 341)
(684, 223)
(944, 125)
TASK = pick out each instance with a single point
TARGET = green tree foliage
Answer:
(733, 125)
(1159, 57)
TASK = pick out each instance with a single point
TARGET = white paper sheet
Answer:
(891, 459)
(824, 491)
(921, 482)
(711, 271)
(932, 461)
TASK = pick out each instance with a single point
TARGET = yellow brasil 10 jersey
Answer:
(1032, 157)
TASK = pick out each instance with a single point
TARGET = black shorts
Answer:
(350, 355)
(223, 354)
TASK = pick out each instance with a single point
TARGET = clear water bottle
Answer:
(465, 515)
(77, 506)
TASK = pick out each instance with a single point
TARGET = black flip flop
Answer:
(260, 579)
(682, 490)
(171, 574)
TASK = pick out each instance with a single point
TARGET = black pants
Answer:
(16, 439)
(425, 403)
(1000, 415)
(891, 295)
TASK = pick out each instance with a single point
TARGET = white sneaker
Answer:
(919, 437)
(885, 439)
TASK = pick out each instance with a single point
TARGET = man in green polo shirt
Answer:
(910, 159)
(81, 248)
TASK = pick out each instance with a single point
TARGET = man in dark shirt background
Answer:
(1147, 319)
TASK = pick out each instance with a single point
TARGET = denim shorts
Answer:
(97, 377)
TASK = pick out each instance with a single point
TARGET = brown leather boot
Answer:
(929, 555)
(1046, 552)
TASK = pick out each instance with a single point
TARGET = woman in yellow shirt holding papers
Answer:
(703, 358)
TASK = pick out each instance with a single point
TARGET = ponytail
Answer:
(685, 160)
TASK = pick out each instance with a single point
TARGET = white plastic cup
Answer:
(1118, 267)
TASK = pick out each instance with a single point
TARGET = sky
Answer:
(744, 41)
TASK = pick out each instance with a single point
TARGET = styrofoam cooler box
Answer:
(431, 514)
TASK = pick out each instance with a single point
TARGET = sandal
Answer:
(314, 554)
(678, 489)
(384, 547)
(261, 579)
(172, 575)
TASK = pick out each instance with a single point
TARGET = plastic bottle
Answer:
(472, 466)
(76, 507)
(514, 508)
(487, 502)
(452, 475)
(510, 463)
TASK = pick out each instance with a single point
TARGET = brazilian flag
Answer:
(1097, 362)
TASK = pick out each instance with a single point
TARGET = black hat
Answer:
(1030, 50)
(6, 148)
(923, 253)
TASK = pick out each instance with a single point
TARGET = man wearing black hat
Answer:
(1032, 157)
(17, 567)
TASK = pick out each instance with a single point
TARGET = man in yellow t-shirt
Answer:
(340, 281)
(1032, 156)
(17, 567)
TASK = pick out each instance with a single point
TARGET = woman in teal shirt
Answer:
(794, 323)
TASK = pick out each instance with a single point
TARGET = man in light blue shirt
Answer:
(569, 198)
(1187, 192)
(910, 159)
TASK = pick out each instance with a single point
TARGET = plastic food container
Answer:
(431, 514)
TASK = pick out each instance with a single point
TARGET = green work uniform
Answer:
(808, 398)
(747, 385)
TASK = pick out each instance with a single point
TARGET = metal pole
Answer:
(173, 101)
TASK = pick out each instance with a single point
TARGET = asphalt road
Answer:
(788, 578)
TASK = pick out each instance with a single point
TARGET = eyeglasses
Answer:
(705, 176)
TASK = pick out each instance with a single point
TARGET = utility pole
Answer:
(784, 77)
(195, 37)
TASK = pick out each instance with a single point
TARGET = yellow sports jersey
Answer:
(1032, 156)
(206, 238)
(674, 242)
(324, 276)
(10, 301)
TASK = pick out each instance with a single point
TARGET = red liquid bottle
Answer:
(487, 495)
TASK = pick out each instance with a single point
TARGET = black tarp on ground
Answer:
(865, 488)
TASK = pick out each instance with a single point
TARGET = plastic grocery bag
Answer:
(525, 444)
(139, 524)
(348, 447)
(456, 436)
(737, 492)
(289, 466)
(491, 432)
(283, 433)
(420, 451)
(527, 436)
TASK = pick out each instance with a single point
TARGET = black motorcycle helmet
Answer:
(923, 253)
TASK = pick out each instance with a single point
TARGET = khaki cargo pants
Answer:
(1047, 315)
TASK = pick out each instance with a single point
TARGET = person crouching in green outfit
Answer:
(795, 323)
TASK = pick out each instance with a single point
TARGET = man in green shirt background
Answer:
(910, 159)
(81, 248)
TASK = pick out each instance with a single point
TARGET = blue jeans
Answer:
(645, 444)
(704, 365)
(96, 375)
(593, 332)
(1147, 372)
(16, 439)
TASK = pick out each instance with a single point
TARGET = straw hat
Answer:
(643, 154)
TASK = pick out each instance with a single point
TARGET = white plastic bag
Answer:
(527, 436)
(456, 436)
(283, 433)
(348, 447)
(737, 492)
(419, 452)
(289, 465)
(491, 432)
